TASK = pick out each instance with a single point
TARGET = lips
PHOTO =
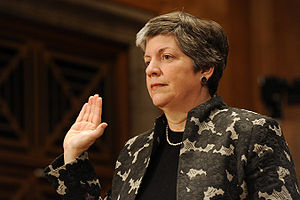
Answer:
(155, 86)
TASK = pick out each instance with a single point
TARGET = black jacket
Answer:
(227, 153)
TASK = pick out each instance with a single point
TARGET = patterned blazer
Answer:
(227, 153)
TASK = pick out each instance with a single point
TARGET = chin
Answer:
(160, 103)
(156, 103)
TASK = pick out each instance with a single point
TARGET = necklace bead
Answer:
(167, 137)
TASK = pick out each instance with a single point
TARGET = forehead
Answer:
(159, 43)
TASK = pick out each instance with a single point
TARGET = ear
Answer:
(207, 73)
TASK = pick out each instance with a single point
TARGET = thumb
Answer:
(100, 129)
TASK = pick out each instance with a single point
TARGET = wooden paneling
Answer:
(46, 76)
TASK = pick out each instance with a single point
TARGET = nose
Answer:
(153, 69)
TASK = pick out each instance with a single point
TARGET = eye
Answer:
(166, 56)
(147, 63)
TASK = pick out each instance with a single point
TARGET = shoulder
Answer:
(234, 113)
(260, 124)
(242, 118)
(253, 131)
(244, 126)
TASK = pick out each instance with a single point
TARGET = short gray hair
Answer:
(204, 41)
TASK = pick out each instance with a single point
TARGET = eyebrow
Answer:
(159, 51)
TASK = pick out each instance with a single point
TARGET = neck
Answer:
(176, 120)
(177, 117)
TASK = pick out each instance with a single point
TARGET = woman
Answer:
(199, 148)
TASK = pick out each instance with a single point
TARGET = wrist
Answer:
(70, 155)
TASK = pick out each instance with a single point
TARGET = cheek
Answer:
(186, 81)
(148, 85)
(147, 81)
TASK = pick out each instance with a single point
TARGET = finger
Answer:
(88, 110)
(98, 107)
(92, 112)
(81, 114)
(100, 130)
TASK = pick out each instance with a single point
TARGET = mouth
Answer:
(155, 86)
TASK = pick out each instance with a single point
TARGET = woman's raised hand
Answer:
(86, 129)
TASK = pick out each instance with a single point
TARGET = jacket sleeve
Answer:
(76, 180)
(270, 170)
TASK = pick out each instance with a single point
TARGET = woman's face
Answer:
(171, 80)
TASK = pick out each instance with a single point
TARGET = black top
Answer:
(159, 181)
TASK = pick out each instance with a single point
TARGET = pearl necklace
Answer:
(167, 136)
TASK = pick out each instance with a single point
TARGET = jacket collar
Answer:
(201, 112)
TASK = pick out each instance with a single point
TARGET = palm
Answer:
(80, 135)
(86, 129)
